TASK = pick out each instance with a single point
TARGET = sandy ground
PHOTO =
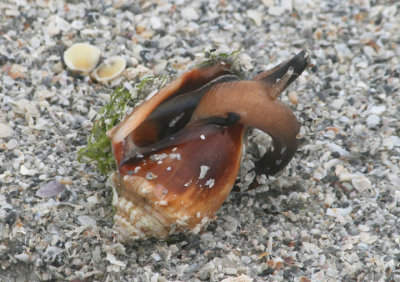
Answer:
(331, 215)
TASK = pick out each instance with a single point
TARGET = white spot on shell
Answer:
(168, 168)
(150, 176)
(158, 157)
(203, 171)
(202, 137)
(176, 156)
(162, 203)
(210, 183)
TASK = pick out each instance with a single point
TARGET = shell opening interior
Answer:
(173, 114)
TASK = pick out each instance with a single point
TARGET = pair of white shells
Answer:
(83, 58)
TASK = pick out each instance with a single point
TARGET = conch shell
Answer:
(178, 153)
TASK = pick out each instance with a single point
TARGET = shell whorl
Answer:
(134, 216)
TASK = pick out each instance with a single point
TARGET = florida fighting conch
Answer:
(178, 153)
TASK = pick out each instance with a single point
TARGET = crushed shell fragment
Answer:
(82, 57)
(110, 69)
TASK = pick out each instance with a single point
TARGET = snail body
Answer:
(178, 153)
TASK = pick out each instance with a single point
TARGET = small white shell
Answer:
(82, 57)
(110, 69)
